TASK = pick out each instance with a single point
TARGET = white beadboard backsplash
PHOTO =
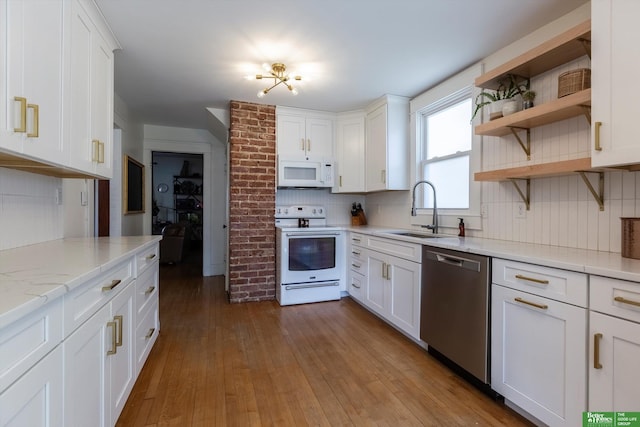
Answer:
(29, 212)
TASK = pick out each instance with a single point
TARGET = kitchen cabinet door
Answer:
(614, 378)
(377, 289)
(35, 399)
(350, 154)
(302, 134)
(122, 363)
(404, 296)
(538, 355)
(614, 64)
(33, 34)
(387, 145)
(87, 371)
(89, 114)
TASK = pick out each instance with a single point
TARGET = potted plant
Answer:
(527, 99)
(505, 91)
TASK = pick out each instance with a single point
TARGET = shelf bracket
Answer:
(587, 113)
(599, 195)
(587, 46)
(525, 147)
(526, 198)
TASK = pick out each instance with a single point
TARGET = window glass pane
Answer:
(451, 179)
(449, 130)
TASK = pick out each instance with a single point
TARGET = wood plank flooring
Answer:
(259, 364)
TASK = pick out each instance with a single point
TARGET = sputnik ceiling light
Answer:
(277, 72)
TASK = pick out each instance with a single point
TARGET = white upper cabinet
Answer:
(615, 65)
(350, 136)
(304, 134)
(89, 115)
(387, 145)
(33, 42)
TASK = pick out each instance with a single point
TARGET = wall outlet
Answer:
(484, 210)
(521, 210)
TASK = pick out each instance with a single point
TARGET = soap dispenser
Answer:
(461, 228)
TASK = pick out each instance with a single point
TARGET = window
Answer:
(446, 151)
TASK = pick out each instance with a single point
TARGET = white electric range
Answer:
(309, 256)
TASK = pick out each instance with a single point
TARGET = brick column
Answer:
(252, 198)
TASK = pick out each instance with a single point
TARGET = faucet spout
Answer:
(434, 225)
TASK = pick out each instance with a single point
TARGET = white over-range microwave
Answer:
(305, 173)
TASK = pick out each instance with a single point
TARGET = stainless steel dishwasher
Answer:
(455, 308)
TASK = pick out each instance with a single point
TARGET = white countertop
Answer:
(582, 260)
(32, 275)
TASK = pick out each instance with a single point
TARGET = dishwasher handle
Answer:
(466, 263)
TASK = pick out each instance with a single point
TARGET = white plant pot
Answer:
(510, 106)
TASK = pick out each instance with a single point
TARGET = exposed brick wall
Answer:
(252, 198)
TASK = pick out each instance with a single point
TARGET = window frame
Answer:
(442, 96)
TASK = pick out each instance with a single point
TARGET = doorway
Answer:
(178, 205)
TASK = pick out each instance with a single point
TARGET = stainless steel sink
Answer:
(412, 234)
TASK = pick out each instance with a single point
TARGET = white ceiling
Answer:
(180, 56)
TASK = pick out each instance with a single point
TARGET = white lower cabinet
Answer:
(99, 364)
(393, 291)
(35, 399)
(538, 343)
(614, 377)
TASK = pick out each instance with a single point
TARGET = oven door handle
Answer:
(311, 234)
(310, 285)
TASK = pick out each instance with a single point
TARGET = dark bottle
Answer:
(461, 228)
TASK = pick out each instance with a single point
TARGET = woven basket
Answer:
(574, 81)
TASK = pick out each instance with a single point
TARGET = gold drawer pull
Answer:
(355, 265)
(23, 114)
(150, 257)
(150, 333)
(95, 149)
(596, 351)
(355, 286)
(531, 279)
(114, 344)
(627, 301)
(355, 239)
(113, 284)
(355, 253)
(533, 304)
(150, 290)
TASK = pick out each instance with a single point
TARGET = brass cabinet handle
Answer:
(100, 152)
(308, 144)
(23, 114)
(596, 130)
(150, 257)
(355, 265)
(384, 266)
(388, 271)
(150, 333)
(113, 284)
(531, 279)
(627, 301)
(302, 144)
(340, 180)
(533, 304)
(95, 144)
(596, 351)
(383, 176)
(354, 285)
(150, 290)
(355, 253)
(114, 344)
(119, 320)
(36, 121)
(355, 239)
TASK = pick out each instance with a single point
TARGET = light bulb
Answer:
(261, 94)
(294, 91)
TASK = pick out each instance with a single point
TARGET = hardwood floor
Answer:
(324, 364)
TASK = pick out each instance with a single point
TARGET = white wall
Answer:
(338, 205)
(29, 212)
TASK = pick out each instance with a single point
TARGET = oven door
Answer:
(310, 257)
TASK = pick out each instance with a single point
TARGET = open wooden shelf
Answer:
(559, 109)
(563, 48)
(542, 170)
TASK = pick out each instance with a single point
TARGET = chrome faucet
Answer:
(434, 226)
